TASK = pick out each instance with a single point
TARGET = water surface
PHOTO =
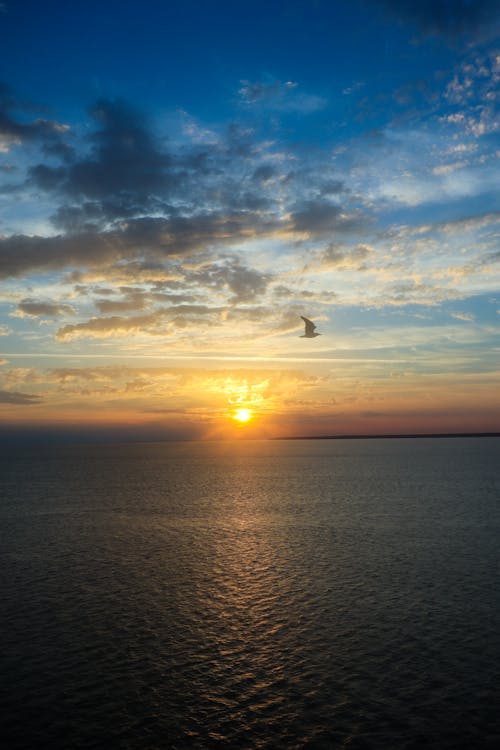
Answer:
(278, 594)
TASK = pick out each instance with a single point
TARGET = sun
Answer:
(242, 415)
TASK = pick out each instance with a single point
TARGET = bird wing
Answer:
(309, 324)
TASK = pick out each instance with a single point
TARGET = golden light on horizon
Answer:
(242, 415)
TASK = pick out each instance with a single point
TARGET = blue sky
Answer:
(179, 182)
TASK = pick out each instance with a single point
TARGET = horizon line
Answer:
(18, 437)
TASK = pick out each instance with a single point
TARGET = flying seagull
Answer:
(309, 334)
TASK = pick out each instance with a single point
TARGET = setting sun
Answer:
(242, 415)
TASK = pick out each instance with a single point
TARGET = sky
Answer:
(181, 181)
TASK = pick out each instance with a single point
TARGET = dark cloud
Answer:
(20, 254)
(34, 308)
(332, 187)
(146, 240)
(47, 178)
(239, 142)
(264, 173)
(129, 199)
(320, 217)
(125, 171)
(14, 130)
(134, 301)
(86, 217)
(474, 19)
(244, 283)
(153, 237)
(315, 216)
(15, 397)
(62, 151)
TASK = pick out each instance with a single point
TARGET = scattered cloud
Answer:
(446, 169)
(414, 293)
(281, 96)
(466, 317)
(355, 86)
(336, 256)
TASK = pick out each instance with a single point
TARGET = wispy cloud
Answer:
(18, 398)
(281, 96)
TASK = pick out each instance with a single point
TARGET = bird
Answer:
(309, 334)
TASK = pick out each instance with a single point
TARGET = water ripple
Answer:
(295, 596)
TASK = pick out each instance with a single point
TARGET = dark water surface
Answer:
(304, 594)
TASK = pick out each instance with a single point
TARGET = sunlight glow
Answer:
(242, 415)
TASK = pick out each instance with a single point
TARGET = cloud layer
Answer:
(361, 192)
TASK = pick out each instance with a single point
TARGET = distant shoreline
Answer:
(393, 437)
(54, 438)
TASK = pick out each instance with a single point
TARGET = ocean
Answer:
(275, 594)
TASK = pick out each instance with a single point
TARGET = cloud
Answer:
(286, 293)
(124, 172)
(127, 198)
(245, 283)
(464, 224)
(153, 237)
(15, 397)
(5, 330)
(109, 326)
(155, 323)
(167, 389)
(132, 301)
(136, 298)
(20, 254)
(282, 96)
(335, 256)
(318, 217)
(252, 92)
(445, 169)
(474, 20)
(467, 317)
(14, 132)
(33, 308)
(355, 86)
(129, 173)
(414, 293)
(264, 173)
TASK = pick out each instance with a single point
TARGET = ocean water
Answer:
(278, 594)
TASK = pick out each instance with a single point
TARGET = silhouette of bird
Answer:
(309, 334)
